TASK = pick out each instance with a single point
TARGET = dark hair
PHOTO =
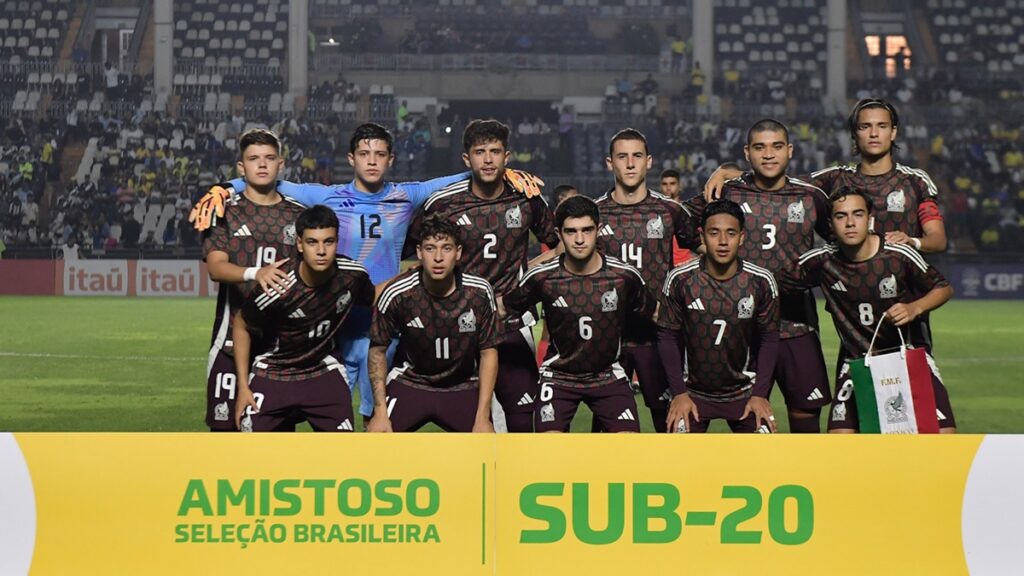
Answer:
(867, 104)
(767, 125)
(670, 173)
(845, 191)
(627, 134)
(370, 131)
(723, 207)
(437, 226)
(576, 207)
(561, 190)
(315, 218)
(258, 136)
(482, 131)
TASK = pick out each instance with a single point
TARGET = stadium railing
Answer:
(326, 61)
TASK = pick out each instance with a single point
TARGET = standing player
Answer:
(782, 214)
(298, 379)
(586, 297)
(643, 228)
(670, 184)
(496, 223)
(864, 276)
(252, 241)
(446, 323)
(722, 311)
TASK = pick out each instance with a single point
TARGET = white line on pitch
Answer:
(100, 357)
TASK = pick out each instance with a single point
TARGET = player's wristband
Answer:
(917, 243)
(250, 274)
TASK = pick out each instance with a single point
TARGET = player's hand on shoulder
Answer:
(762, 410)
(897, 237)
(680, 410)
(379, 422)
(210, 207)
(716, 182)
(272, 278)
(523, 182)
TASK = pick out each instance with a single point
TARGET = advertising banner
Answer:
(988, 281)
(96, 278)
(168, 278)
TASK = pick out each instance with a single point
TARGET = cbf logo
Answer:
(896, 201)
(971, 280)
(610, 301)
(288, 234)
(514, 218)
(795, 213)
(656, 227)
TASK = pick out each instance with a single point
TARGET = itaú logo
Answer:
(17, 509)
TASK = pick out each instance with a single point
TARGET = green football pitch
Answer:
(137, 364)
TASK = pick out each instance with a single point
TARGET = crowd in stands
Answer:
(29, 157)
(468, 34)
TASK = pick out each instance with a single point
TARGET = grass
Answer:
(139, 364)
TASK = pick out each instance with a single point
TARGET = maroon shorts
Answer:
(730, 411)
(801, 374)
(410, 407)
(844, 406)
(516, 387)
(221, 387)
(645, 361)
(324, 401)
(610, 399)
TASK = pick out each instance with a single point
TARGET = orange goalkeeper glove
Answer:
(525, 183)
(210, 207)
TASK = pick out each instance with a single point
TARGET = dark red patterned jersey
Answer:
(251, 235)
(780, 227)
(302, 322)
(903, 199)
(495, 233)
(859, 292)
(585, 315)
(442, 337)
(644, 235)
(721, 322)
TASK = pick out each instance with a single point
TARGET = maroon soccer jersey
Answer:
(495, 233)
(302, 322)
(585, 315)
(902, 200)
(859, 292)
(721, 321)
(442, 337)
(251, 235)
(780, 227)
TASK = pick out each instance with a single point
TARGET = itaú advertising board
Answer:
(509, 504)
(135, 278)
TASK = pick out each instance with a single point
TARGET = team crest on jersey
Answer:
(656, 227)
(289, 235)
(467, 322)
(839, 412)
(343, 301)
(795, 213)
(547, 413)
(246, 424)
(887, 287)
(896, 201)
(514, 217)
(220, 412)
(896, 409)
(746, 307)
(610, 301)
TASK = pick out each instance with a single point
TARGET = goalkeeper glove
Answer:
(525, 183)
(210, 207)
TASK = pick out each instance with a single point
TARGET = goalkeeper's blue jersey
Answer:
(373, 226)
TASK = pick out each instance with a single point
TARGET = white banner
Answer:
(167, 278)
(96, 278)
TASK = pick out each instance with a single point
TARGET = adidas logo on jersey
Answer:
(839, 286)
(815, 395)
(297, 314)
(346, 425)
(696, 305)
(627, 414)
(560, 303)
(525, 400)
(415, 323)
(242, 232)
(606, 230)
(464, 221)
(746, 208)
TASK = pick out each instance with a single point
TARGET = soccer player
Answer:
(446, 322)
(564, 191)
(782, 215)
(253, 240)
(586, 296)
(496, 223)
(722, 312)
(642, 228)
(864, 276)
(298, 379)
(670, 184)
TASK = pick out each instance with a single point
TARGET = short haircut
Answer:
(576, 207)
(843, 192)
(482, 131)
(767, 125)
(627, 134)
(258, 136)
(316, 218)
(437, 226)
(723, 207)
(370, 131)
(561, 190)
(867, 104)
(670, 173)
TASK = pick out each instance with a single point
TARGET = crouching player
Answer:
(299, 379)
(722, 312)
(446, 323)
(586, 297)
